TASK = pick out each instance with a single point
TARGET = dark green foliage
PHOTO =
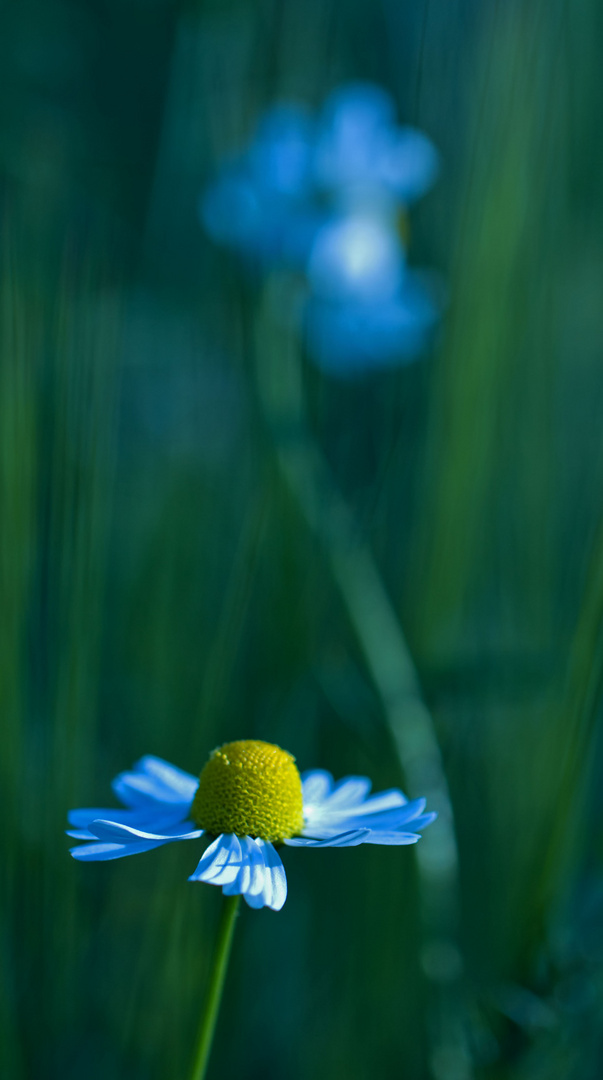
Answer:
(163, 589)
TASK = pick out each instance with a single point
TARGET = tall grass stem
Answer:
(377, 628)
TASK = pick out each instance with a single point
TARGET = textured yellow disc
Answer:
(249, 788)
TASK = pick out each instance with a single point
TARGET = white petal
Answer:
(152, 817)
(114, 830)
(345, 839)
(359, 817)
(221, 862)
(334, 816)
(424, 820)
(155, 781)
(275, 879)
(316, 785)
(249, 881)
(350, 791)
(183, 784)
(101, 852)
(392, 838)
(385, 800)
(137, 790)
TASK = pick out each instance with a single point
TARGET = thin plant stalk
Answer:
(207, 1027)
(378, 632)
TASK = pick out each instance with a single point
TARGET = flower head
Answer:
(249, 797)
(250, 788)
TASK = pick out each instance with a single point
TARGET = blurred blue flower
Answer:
(358, 257)
(160, 805)
(260, 204)
(361, 154)
(326, 198)
(365, 310)
(281, 154)
(260, 223)
(350, 338)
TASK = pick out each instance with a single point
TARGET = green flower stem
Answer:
(216, 986)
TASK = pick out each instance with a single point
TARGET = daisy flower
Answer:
(249, 798)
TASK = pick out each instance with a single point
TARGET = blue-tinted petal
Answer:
(316, 785)
(221, 861)
(101, 852)
(351, 838)
(345, 815)
(328, 838)
(390, 802)
(338, 818)
(362, 817)
(125, 834)
(379, 836)
(424, 820)
(183, 784)
(347, 793)
(275, 879)
(383, 800)
(154, 781)
(249, 881)
(152, 817)
(135, 790)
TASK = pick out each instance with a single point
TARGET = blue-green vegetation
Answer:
(209, 535)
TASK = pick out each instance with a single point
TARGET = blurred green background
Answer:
(163, 589)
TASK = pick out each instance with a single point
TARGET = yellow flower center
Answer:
(249, 788)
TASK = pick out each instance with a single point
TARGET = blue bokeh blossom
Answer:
(362, 154)
(328, 197)
(260, 204)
